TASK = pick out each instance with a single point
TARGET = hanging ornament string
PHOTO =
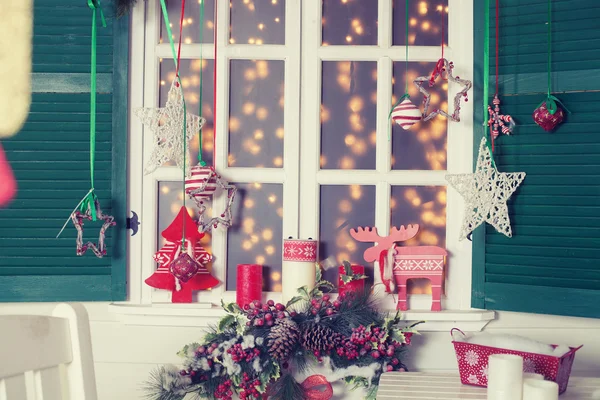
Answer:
(201, 24)
(497, 41)
(486, 77)
(88, 202)
(550, 99)
(215, 86)
(405, 95)
(176, 60)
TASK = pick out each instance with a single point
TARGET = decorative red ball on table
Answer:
(545, 119)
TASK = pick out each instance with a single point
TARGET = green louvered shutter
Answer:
(552, 263)
(50, 159)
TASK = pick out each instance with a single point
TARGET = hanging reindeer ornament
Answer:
(400, 264)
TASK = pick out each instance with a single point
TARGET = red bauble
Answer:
(8, 187)
(184, 267)
(545, 119)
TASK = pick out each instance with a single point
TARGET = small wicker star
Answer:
(166, 123)
(78, 217)
(498, 121)
(486, 192)
(442, 66)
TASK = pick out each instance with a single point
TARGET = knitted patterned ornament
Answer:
(498, 121)
(406, 114)
(201, 186)
(442, 66)
(548, 119)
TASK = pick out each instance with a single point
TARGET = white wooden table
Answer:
(447, 386)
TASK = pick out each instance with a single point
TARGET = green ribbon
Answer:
(486, 79)
(88, 202)
(200, 160)
(170, 34)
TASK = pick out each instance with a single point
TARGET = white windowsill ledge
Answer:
(202, 315)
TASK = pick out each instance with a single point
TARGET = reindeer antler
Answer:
(367, 234)
(402, 234)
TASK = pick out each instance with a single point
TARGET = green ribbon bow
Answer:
(551, 106)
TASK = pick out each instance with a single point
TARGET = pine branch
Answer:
(124, 7)
(286, 388)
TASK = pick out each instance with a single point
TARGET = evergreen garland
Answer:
(355, 341)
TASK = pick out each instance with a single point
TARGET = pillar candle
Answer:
(505, 377)
(298, 267)
(535, 389)
(531, 375)
(356, 286)
(249, 283)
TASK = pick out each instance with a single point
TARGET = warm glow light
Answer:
(257, 185)
(259, 41)
(324, 114)
(162, 83)
(272, 198)
(249, 203)
(349, 39)
(276, 276)
(259, 134)
(267, 234)
(278, 161)
(279, 132)
(270, 250)
(232, 40)
(413, 22)
(322, 161)
(359, 30)
(346, 163)
(441, 197)
(345, 206)
(277, 19)
(350, 140)
(189, 20)
(248, 108)
(359, 148)
(262, 113)
(262, 68)
(427, 216)
(355, 122)
(254, 238)
(355, 192)
(273, 1)
(260, 260)
(423, 7)
(425, 25)
(246, 245)
(248, 225)
(234, 124)
(261, 26)
(373, 138)
(251, 40)
(356, 103)
(165, 189)
(280, 212)
(439, 8)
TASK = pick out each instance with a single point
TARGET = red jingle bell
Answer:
(184, 267)
(545, 119)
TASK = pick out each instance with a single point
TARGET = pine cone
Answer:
(282, 339)
(316, 337)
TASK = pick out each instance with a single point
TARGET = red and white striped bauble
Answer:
(199, 177)
(406, 114)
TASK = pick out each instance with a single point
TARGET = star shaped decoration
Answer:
(499, 121)
(442, 66)
(166, 123)
(78, 217)
(486, 192)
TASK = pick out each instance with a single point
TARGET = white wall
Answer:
(125, 354)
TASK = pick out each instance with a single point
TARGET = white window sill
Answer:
(202, 315)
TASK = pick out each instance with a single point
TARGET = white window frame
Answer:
(301, 184)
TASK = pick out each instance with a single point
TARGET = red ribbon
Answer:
(386, 282)
(312, 382)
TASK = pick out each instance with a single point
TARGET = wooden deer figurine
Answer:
(405, 262)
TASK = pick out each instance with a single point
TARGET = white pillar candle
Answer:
(535, 389)
(298, 267)
(531, 375)
(505, 377)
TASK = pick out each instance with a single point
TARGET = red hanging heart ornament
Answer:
(547, 119)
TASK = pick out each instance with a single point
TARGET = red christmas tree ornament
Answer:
(548, 118)
(182, 269)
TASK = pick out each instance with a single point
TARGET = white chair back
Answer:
(47, 357)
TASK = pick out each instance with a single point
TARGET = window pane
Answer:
(256, 113)
(257, 234)
(423, 146)
(257, 21)
(348, 115)
(189, 72)
(351, 22)
(170, 198)
(426, 206)
(425, 22)
(343, 208)
(191, 27)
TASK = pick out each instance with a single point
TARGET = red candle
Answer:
(357, 285)
(249, 283)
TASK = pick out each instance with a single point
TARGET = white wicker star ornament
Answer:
(166, 123)
(486, 192)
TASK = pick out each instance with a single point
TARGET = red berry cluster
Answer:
(206, 350)
(264, 314)
(249, 387)
(224, 391)
(325, 305)
(238, 354)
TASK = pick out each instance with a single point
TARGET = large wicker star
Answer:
(485, 193)
(167, 125)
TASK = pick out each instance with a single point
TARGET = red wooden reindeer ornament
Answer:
(404, 263)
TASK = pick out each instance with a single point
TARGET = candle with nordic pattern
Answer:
(298, 267)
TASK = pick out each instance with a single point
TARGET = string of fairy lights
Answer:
(348, 118)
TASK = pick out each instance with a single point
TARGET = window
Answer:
(323, 161)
